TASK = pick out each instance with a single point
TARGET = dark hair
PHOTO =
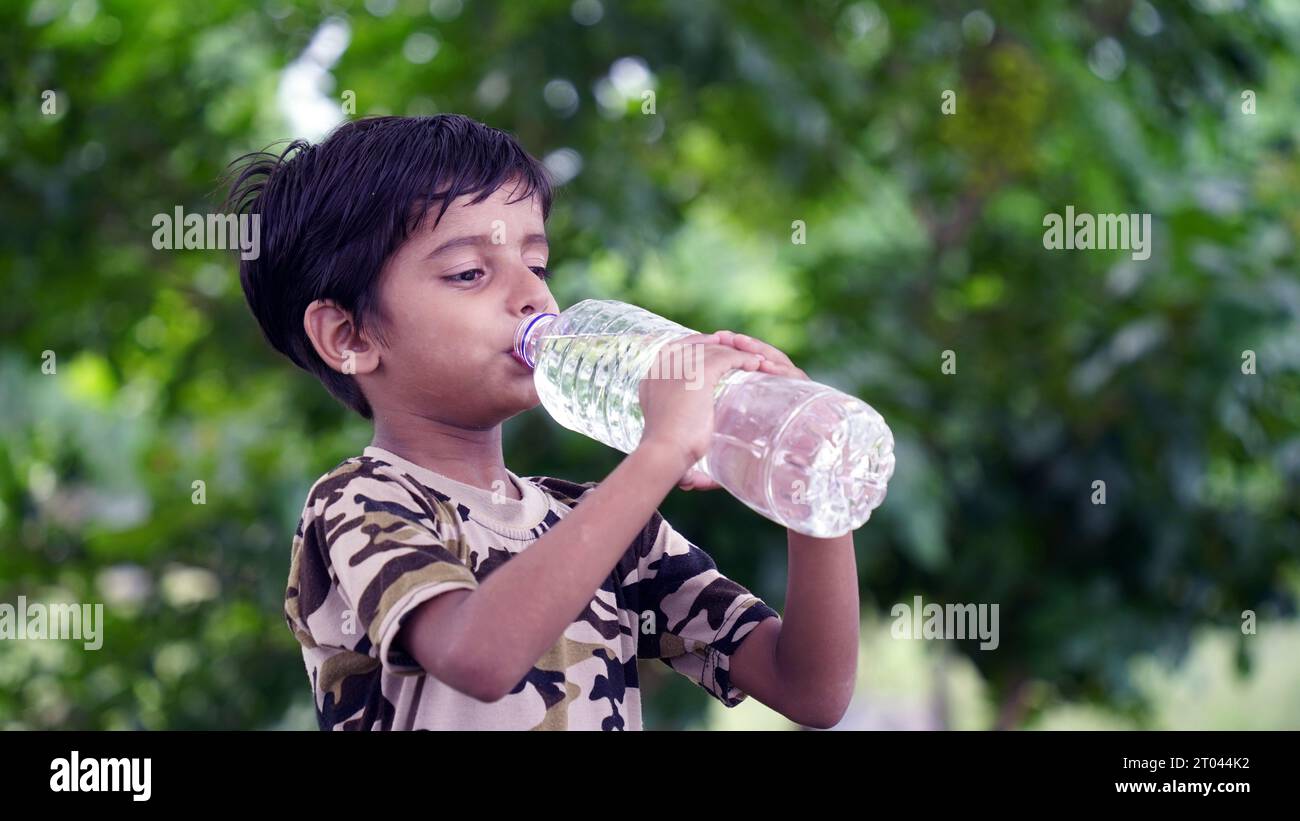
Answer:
(332, 214)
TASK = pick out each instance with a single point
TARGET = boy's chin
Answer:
(520, 408)
(527, 396)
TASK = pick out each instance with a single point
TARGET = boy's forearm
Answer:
(817, 649)
(524, 606)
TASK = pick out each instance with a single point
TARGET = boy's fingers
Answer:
(775, 360)
(698, 338)
(729, 358)
(694, 480)
(749, 343)
(777, 369)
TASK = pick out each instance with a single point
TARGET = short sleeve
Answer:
(390, 551)
(691, 616)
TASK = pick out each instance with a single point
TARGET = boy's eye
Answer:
(540, 270)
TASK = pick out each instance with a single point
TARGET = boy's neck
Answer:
(469, 456)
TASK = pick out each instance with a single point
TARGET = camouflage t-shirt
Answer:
(379, 535)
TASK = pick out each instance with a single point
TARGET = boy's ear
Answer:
(335, 338)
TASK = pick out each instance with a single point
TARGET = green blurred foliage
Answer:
(923, 235)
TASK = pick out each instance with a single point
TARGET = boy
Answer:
(431, 587)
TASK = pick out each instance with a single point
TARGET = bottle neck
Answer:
(528, 337)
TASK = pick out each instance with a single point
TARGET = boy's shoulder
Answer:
(353, 472)
(365, 468)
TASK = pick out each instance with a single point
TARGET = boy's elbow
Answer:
(823, 712)
(477, 678)
(824, 719)
(483, 686)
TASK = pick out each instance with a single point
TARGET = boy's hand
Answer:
(774, 362)
(678, 411)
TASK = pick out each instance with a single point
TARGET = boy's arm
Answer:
(804, 664)
(484, 641)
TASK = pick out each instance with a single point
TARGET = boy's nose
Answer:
(533, 298)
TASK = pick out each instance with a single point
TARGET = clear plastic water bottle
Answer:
(802, 454)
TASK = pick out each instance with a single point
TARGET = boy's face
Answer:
(452, 297)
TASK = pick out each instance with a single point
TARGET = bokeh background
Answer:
(923, 235)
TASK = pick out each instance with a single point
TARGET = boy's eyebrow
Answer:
(484, 239)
